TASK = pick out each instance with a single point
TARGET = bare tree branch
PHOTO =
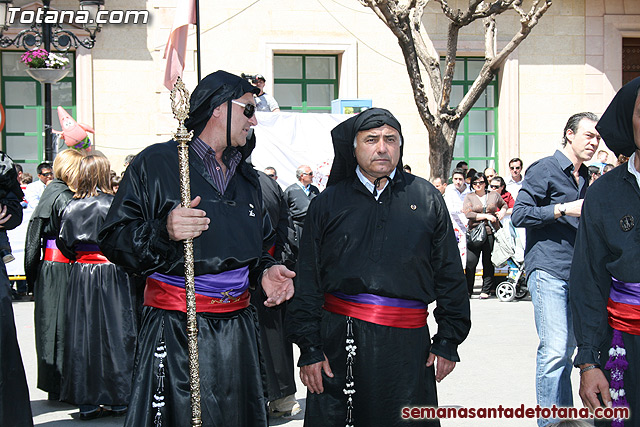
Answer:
(449, 13)
(450, 66)
(373, 5)
(404, 19)
(490, 37)
(525, 28)
(427, 54)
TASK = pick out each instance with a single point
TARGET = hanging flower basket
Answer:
(47, 75)
(46, 67)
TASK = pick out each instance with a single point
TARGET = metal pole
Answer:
(180, 106)
(198, 40)
(48, 135)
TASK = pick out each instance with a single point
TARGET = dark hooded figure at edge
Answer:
(378, 246)
(144, 231)
(605, 278)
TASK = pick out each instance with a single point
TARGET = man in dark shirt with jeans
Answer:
(548, 207)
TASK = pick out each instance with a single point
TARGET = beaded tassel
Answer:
(617, 364)
(158, 397)
(349, 389)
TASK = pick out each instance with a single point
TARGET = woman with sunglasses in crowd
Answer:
(482, 207)
(497, 184)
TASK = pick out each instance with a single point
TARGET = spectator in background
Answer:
(454, 197)
(489, 173)
(271, 172)
(497, 184)
(464, 166)
(20, 173)
(470, 173)
(602, 157)
(607, 168)
(127, 161)
(264, 101)
(440, 183)
(407, 168)
(549, 206)
(514, 184)
(482, 206)
(622, 159)
(115, 183)
(34, 190)
(594, 173)
(298, 196)
(27, 178)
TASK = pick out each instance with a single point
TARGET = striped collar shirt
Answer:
(208, 156)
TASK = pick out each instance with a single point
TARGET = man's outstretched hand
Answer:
(277, 283)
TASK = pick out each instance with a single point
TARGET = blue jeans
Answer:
(550, 297)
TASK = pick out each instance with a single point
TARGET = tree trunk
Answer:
(441, 143)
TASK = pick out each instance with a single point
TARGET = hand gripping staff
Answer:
(180, 105)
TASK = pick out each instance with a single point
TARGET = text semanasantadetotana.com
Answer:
(426, 412)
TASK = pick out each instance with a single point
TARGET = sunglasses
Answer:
(307, 173)
(271, 175)
(249, 109)
(478, 183)
(48, 174)
(495, 187)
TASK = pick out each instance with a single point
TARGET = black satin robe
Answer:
(48, 279)
(15, 408)
(400, 246)
(101, 323)
(278, 352)
(134, 235)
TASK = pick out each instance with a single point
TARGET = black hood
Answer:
(343, 135)
(615, 126)
(214, 90)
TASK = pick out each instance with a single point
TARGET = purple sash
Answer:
(380, 300)
(232, 283)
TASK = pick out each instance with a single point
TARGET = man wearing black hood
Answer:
(143, 232)
(378, 247)
(605, 279)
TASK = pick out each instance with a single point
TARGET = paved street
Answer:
(497, 368)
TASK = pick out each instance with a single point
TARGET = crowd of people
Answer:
(347, 274)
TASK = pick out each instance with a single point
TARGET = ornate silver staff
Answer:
(180, 105)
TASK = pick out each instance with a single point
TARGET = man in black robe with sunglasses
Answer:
(144, 231)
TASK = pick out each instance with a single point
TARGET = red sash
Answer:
(167, 297)
(91, 257)
(55, 255)
(624, 317)
(397, 317)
